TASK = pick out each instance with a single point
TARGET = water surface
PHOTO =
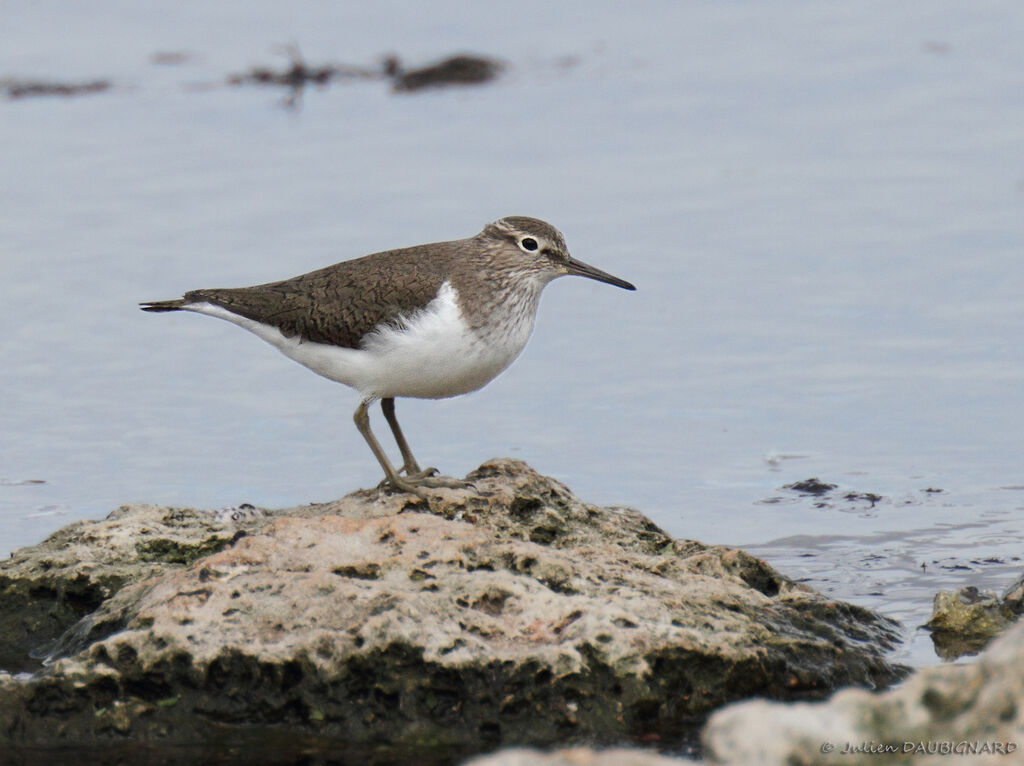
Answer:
(822, 208)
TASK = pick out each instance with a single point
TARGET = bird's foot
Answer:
(430, 480)
(426, 478)
(415, 473)
(401, 484)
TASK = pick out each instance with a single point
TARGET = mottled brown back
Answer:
(339, 304)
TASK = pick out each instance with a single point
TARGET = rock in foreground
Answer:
(506, 612)
(964, 714)
(964, 621)
(578, 756)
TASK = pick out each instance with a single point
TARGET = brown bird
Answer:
(429, 321)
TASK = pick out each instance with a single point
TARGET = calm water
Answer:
(822, 207)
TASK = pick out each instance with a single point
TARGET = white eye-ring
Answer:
(529, 244)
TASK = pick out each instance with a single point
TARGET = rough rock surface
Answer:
(505, 612)
(964, 621)
(48, 587)
(577, 756)
(964, 714)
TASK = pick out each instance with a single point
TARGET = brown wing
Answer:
(341, 303)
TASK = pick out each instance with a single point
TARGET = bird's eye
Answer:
(528, 243)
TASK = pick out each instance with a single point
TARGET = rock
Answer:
(971, 711)
(966, 620)
(47, 588)
(505, 612)
(577, 756)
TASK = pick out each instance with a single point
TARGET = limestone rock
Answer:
(505, 612)
(48, 587)
(964, 714)
(577, 756)
(964, 621)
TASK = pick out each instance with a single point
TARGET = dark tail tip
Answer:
(157, 306)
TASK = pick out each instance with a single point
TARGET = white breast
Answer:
(431, 354)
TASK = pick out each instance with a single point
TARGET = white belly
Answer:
(430, 355)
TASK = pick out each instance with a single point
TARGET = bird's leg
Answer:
(410, 466)
(362, 420)
(414, 477)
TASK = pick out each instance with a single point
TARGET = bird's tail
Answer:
(174, 305)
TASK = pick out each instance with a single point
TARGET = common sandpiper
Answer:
(430, 321)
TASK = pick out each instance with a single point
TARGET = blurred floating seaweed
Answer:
(811, 487)
(456, 70)
(869, 497)
(300, 74)
(452, 71)
(15, 88)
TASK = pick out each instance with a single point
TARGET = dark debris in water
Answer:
(978, 564)
(956, 567)
(452, 71)
(820, 490)
(299, 74)
(811, 487)
(15, 88)
(869, 497)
